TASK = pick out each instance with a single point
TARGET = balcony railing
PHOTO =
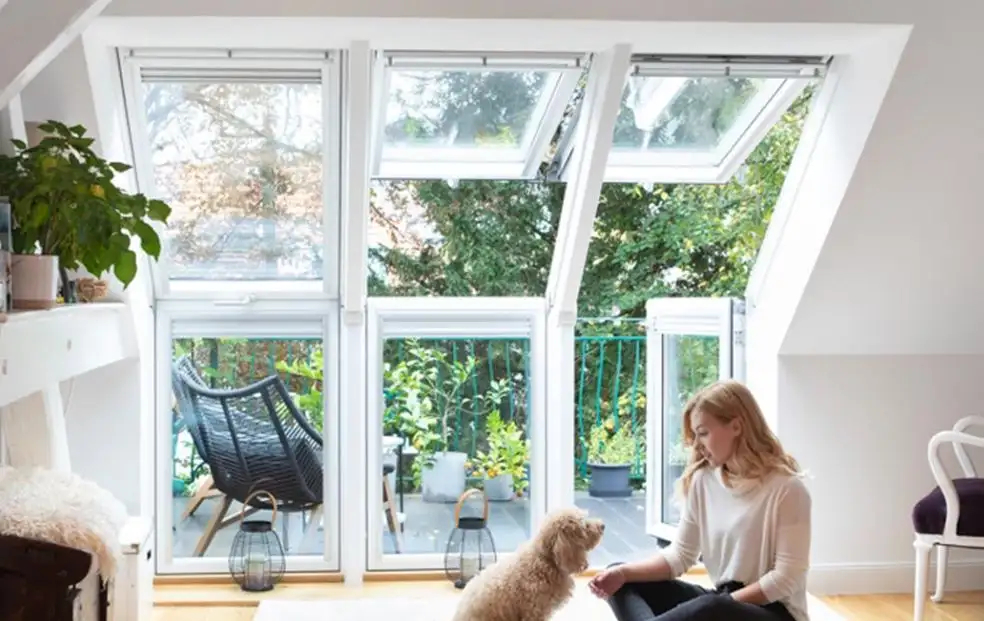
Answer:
(449, 384)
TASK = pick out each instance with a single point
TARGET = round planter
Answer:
(500, 488)
(610, 480)
(443, 480)
(34, 281)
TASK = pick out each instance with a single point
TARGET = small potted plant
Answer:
(502, 467)
(68, 213)
(610, 455)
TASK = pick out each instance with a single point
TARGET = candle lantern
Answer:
(470, 547)
(256, 560)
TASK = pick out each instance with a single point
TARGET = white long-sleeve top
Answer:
(761, 534)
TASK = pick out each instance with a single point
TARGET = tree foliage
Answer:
(496, 238)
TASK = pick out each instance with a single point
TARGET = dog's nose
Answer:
(602, 527)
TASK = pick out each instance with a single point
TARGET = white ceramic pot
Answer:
(34, 281)
(443, 480)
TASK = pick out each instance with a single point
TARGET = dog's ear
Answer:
(568, 555)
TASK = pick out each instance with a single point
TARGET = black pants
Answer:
(676, 600)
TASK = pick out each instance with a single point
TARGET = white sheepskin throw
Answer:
(64, 509)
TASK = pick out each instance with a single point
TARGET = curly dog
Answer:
(538, 579)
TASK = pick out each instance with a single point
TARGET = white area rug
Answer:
(582, 607)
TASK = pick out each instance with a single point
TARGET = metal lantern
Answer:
(257, 561)
(470, 545)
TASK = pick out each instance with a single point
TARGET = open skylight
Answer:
(468, 117)
(695, 120)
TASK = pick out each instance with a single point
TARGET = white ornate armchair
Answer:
(950, 515)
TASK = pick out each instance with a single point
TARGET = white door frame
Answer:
(720, 317)
(522, 318)
(285, 320)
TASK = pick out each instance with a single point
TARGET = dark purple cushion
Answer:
(929, 514)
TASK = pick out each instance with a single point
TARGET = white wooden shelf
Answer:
(39, 349)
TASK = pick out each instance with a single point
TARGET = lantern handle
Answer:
(461, 503)
(259, 492)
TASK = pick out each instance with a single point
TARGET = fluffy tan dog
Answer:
(537, 580)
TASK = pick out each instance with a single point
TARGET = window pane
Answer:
(218, 460)
(610, 431)
(692, 362)
(688, 113)
(439, 239)
(465, 109)
(241, 165)
(456, 414)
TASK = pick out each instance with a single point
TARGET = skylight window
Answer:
(235, 142)
(477, 117)
(695, 120)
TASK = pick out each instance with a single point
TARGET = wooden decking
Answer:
(427, 526)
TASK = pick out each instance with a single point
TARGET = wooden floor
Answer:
(224, 603)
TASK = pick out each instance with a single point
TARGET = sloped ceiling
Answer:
(33, 33)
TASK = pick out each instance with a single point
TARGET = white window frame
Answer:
(719, 317)
(215, 63)
(476, 162)
(183, 319)
(717, 165)
(447, 317)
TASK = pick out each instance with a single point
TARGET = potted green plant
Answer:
(502, 467)
(68, 213)
(610, 452)
(427, 390)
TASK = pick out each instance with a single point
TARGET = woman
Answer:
(745, 510)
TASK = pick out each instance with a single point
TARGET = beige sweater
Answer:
(759, 535)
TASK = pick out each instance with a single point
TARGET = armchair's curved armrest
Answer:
(957, 439)
(961, 426)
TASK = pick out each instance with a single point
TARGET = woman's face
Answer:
(717, 440)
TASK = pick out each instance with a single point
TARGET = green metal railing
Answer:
(609, 381)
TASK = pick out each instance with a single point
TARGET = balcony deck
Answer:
(427, 526)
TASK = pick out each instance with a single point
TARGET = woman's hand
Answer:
(607, 582)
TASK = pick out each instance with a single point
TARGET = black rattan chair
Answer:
(251, 438)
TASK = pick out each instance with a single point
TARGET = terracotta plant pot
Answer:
(34, 280)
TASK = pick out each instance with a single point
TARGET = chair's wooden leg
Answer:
(923, 550)
(942, 556)
(235, 517)
(206, 489)
(214, 524)
(392, 518)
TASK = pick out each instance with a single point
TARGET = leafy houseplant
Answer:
(68, 213)
(611, 452)
(503, 465)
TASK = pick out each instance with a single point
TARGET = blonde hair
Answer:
(758, 452)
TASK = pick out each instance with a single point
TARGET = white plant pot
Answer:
(444, 479)
(34, 281)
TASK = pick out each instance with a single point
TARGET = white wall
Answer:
(104, 445)
(860, 425)
(61, 91)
